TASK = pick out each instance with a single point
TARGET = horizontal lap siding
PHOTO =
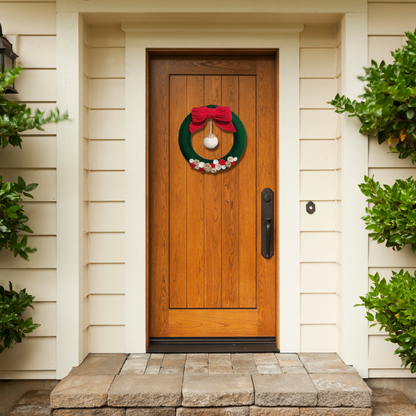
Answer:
(318, 183)
(106, 189)
(387, 23)
(86, 191)
(34, 40)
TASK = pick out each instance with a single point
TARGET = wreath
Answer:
(225, 120)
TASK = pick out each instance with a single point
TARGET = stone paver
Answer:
(265, 359)
(242, 384)
(217, 390)
(280, 356)
(243, 364)
(284, 390)
(338, 411)
(106, 411)
(391, 402)
(269, 369)
(147, 390)
(294, 370)
(154, 411)
(168, 370)
(78, 391)
(337, 389)
(274, 411)
(134, 367)
(152, 370)
(197, 357)
(221, 369)
(214, 411)
(176, 363)
(100, 365)
(291, 363)
(153, 362)
(144, 356)
(325, 363)
(29, 410)
(35, 397)
(34, 403)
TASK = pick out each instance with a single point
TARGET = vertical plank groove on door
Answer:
(247, 189)
(213, 207)
(266, 161)
(195, 206)
(230, 205)
(178, 208)
(159, 202)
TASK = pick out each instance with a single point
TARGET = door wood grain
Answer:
(207, 277)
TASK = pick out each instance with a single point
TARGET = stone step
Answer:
(260, 384)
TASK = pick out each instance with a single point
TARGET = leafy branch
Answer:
(16, 118)
(388, 108)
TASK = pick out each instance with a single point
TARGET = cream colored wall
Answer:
(106, 177)
(320, 183)
(387, 23)
(35, 41)
(86, 193)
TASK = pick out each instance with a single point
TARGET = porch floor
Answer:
(239, 384)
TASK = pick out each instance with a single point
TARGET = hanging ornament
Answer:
(211, 140)
(226, 120)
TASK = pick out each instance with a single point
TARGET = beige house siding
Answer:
(103, 323)
(106, 185)
(86, 197)
(320, 183)
(387, 23)
(31, 28)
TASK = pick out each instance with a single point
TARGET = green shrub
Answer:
(16, 118)
(12, 217)
(393, 306)
(392, 217)
(13, 328)
(388, 108)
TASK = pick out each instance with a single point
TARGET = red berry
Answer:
(233, 163)
(192, 165)
(221, 162)
(201, 169)
(212, 165)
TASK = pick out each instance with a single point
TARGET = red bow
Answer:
(221, 115)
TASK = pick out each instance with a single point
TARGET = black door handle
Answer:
(267, 216)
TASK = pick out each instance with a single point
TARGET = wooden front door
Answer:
(207, 276)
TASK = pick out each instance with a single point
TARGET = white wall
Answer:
(386, 26)
(34, 39)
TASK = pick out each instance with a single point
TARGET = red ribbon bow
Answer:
(221, 115)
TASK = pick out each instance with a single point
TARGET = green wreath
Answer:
(215, 165)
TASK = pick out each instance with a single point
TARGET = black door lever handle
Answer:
(267, 216)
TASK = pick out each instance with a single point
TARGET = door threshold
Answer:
(207, 345)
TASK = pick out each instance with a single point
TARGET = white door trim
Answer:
(285, 39)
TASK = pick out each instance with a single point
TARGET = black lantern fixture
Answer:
(7, 58)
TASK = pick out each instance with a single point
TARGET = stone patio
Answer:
(239, 384)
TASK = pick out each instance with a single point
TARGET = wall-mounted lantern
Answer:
(7, 58)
